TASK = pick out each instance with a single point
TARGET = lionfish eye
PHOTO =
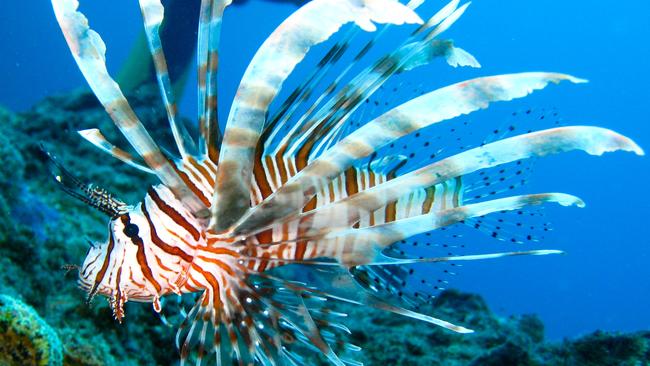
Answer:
(131, 230)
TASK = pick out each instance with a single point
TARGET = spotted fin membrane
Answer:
(416, 284)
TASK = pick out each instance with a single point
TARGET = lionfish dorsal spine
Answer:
(312, 24)
(89, 50)
(95, 137)
(208, 40)
(153, 14)
(320, 126)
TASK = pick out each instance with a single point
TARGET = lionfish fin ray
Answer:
(318, 125)
(392, 261)
(347, 211)
(310, 25)
(424, 52)
(320, 128)
(89, 51)
(447, 22)
(153, 14)
(359, 246)
(336, 283)
(264, 322)
(209, 36)
(431, 108)
(95, 137)
(305, 322)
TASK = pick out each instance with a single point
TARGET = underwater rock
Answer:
(393, 340)
(25, 338)
(513, 341)
(11, 166)
(600, 348)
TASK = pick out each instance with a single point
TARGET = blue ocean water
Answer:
(602, 281)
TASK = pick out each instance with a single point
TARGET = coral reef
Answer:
(41, 230)
(25, 338)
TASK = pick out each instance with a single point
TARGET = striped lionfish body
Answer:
(285, 189)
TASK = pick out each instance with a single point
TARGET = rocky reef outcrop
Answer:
(497, 341)
(25, 338)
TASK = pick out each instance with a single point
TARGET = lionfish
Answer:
(234, 212)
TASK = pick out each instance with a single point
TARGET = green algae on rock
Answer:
(25, 338)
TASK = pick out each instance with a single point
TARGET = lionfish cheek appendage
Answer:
(157, 307)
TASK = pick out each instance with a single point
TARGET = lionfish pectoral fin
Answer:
(366, 246)
(89, 52)
(336, 284)
(199, 334)
(393, 261)
(353, 247)
(345, 212)
(266, 322)
(300, 320)
(382, 305)
(434, 107)
(312, 24)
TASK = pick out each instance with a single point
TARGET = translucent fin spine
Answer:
(95, 137)
(209, 35)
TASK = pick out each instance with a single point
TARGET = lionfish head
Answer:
(115, 269)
